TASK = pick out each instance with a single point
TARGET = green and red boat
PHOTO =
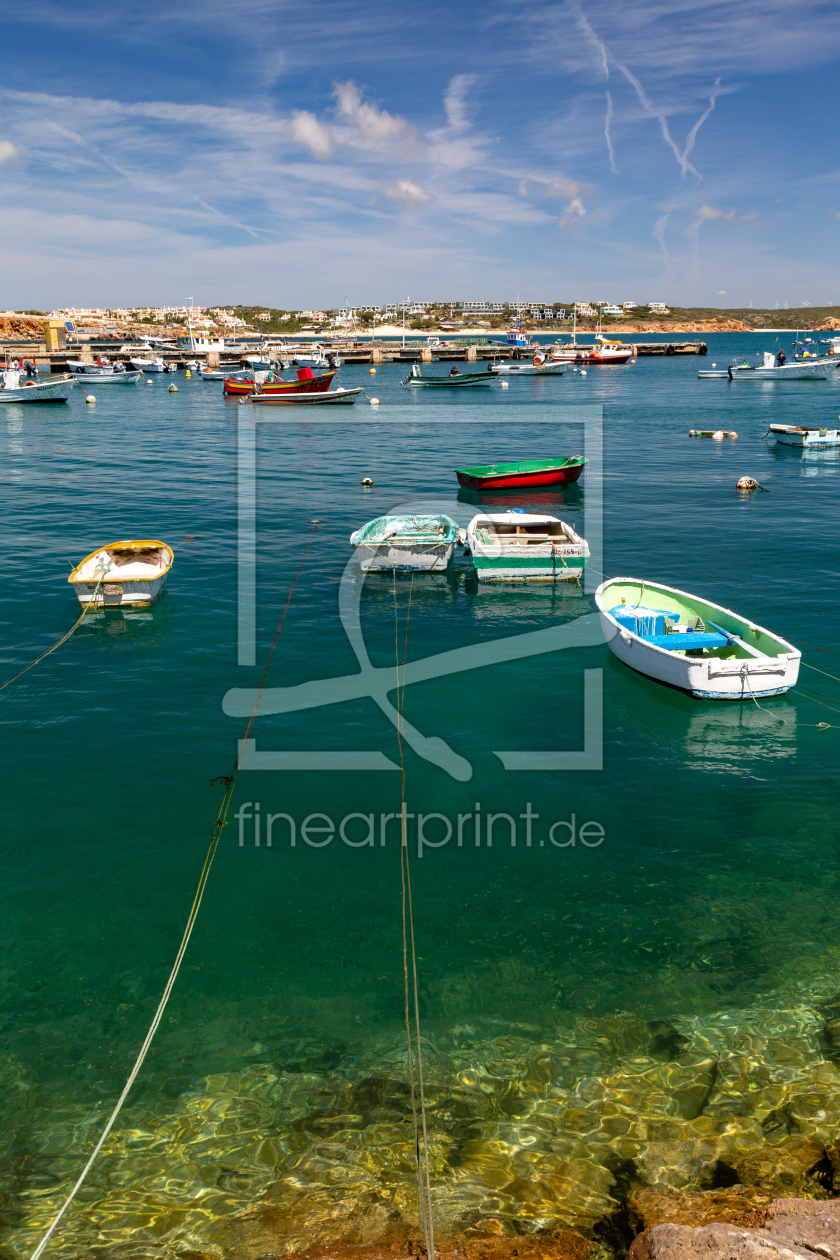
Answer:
(524, 473)
(306, 383)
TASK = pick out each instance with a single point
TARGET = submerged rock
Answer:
(788, 1168)
(654, 1205)
(786, 1229)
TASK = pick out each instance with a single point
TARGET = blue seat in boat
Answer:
(687, 642)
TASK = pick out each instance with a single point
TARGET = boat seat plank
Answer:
(686, 642)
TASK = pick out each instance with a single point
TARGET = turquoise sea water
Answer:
(554, 979)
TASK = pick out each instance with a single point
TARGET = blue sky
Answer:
(303, 155)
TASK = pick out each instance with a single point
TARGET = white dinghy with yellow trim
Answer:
(127, 574)
(693, 645)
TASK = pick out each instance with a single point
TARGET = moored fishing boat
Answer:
(604, 352)
(127, 574)
(805, 436)
(58, 390)
(535, 368)
(330, 397)
(804, 367)
(462, 380)
(518, 546)
(306, 383)
(691, 644)
(529, 472)
(148, 365)
(406, 542)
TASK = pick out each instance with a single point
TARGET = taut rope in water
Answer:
(221, 820)
(424, 1188)
(85, 610)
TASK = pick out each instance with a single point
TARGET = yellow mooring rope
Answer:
(424, 1188)
(221, 820)
(85, 610)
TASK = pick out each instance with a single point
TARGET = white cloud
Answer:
(368, 126)
(406, 192)
(453, 101)
(307, 130)
(727, 216)
(8, 152)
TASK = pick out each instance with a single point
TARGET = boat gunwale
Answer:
(507, 469)
(124, 542)
(788, 648)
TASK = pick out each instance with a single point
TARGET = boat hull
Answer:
(126, 593)
(819, 370)
(527, 369)
(49, 392)
(108, 378)
(812, 439)
(540, 564)
(340, 397)
(406, 558)
(521, 481)
(704, 678)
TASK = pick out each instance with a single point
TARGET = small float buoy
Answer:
(366, 481)
(583, 371)
(149, 381)
(692, 433)
(632, 361)
(372, 372)
(732, 433)
(718, 436)
(714, 365)
(90, 398)
(316, 520)
(374, 402)
(188, 373)
(750, 483)
(173, 389)
(505, 384)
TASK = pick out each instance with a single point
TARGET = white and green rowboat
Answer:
(693, 645)
(520, 546)
(406, 543)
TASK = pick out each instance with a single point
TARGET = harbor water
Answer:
(639, 990)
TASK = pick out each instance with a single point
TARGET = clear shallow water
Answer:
(279, 1069)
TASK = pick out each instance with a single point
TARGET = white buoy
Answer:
(583, 371)
(505, 384)
(90, 398)
(374, 402)
(714, 365)
(719, 436)
(173, 389)
(149, 380)
(366, 481)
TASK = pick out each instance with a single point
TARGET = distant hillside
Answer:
(810, 317)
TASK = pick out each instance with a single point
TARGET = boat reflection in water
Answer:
(723, 738)
(536, 499)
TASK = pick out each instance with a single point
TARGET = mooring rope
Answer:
(221, 821)
(85, 610)
(424, 1188)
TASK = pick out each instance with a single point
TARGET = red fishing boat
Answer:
(306, 383)
(529, 472)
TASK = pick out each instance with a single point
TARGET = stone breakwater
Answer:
(533, 1131)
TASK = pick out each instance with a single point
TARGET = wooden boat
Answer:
(805, 435)
(406, 542)
(338, 396)
(58, 390)
(520, 546)
(128, 574)
(305, 384)
(604, 352)
(466, 380)
(805, 368)
(530, 472)
(691, 644)
(528, 369)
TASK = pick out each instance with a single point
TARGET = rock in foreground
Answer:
(786, 1229)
